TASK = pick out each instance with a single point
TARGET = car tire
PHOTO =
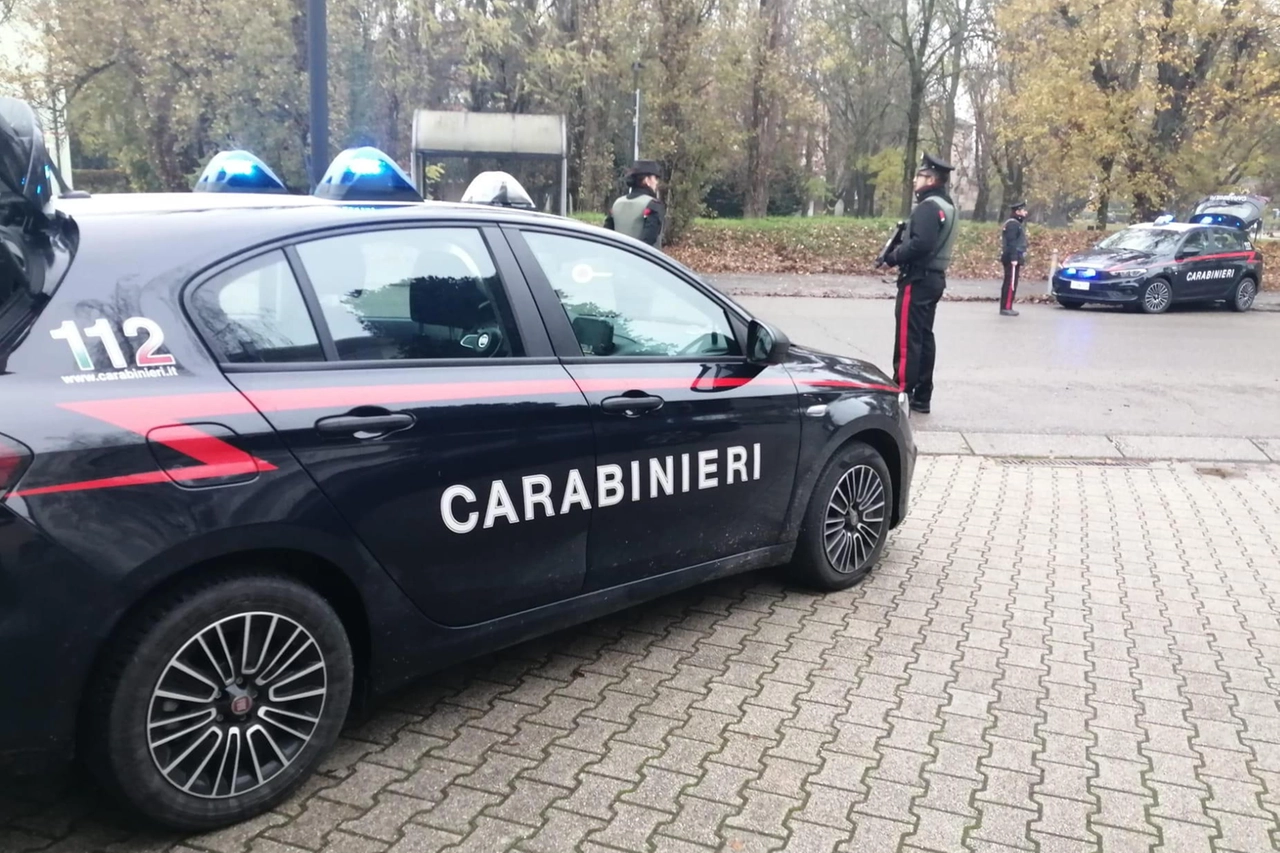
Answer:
(820, 561)
(1156, 296)
(1070, 303)
(267, 732)
(1244, 295)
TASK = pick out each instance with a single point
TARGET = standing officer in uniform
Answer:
(1013, 251)
(922, 260)
(639, 213)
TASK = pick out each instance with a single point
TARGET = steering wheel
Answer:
(700, 344)
(623, 338)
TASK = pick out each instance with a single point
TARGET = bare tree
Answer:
(917, 30)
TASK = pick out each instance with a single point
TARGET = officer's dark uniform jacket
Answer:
(930, 234)
(638, 214)
(1014, 240)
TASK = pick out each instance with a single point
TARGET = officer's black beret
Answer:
(645, 167)
(928, 161)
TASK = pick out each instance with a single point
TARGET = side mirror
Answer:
(765, 345)
(1188, 253)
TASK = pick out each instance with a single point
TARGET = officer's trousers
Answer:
(913, 350)
(1009, 291)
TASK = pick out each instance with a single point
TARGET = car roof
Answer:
(148, 235)
(192, 202)
(1169, 226)
(122, 203)
(230, 218)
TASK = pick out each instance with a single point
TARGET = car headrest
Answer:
(594, 334)
(444, 292)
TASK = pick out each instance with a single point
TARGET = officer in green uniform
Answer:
(639, 213)
(922, 260)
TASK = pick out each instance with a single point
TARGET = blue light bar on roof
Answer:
(238, 172)
(365, 174)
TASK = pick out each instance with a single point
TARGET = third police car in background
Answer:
(1151, 266)
(265, 456)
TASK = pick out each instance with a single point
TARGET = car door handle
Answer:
(366, 426)
(631, 406)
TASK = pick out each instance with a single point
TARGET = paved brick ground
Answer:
(1049, 658)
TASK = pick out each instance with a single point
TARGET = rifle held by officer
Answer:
(892, 243)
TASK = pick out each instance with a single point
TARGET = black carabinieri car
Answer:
(264, 457)
(1149, 267)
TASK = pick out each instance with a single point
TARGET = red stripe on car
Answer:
(163, 415)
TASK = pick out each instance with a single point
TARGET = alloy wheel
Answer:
(1157, 297)
(1246, 294)
(855, 518)
(236, 705)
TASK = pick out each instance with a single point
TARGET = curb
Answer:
(1267, 306)
(1099, 449)
(870, 287)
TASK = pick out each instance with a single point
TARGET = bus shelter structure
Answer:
(443, 133)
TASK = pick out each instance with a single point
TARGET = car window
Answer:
(254, 313)
(621, 304)
(413, 293)
(1228, 241)
(1150, 240)
(1196, 241)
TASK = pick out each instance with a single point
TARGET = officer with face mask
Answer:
(1013, 251)
(639, 213)
(922, 259)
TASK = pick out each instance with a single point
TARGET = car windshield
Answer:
(1150, 240)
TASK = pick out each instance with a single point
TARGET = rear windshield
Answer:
(1151, 240)
(1240, 209)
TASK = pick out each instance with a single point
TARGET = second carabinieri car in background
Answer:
(1149, 267)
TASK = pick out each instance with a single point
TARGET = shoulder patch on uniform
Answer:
(942, 214)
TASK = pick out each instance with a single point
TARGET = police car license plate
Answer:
(1079, 285)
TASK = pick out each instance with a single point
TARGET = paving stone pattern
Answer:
(1053, 658)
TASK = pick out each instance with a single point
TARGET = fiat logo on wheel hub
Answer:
(241, 705)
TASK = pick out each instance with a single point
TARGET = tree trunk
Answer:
(810, 142)
(982, 165)
(162, 142)
(953, 91)
(914, 110)
(1011, 180)
(763, 130)
(1107, 164)
(757, 200)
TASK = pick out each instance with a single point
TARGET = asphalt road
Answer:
(1190, 372)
